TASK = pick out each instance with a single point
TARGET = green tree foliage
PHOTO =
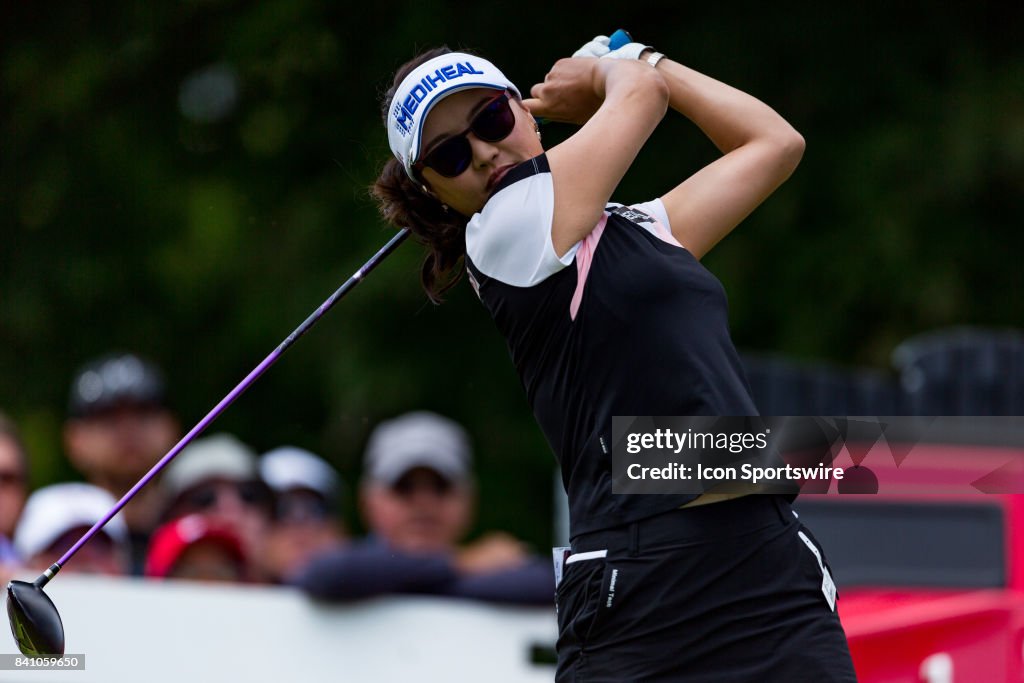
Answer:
(188, 180)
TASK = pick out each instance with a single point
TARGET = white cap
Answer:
(289, 467)
(420, 439)
(425, 86)
(220, 456)
(52, 511)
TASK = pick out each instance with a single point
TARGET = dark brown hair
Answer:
(403, 202)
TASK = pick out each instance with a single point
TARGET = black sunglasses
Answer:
(302, 508)
(407, 485)
(204, 497)
(493, 123)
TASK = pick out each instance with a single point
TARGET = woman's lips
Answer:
(497, 176)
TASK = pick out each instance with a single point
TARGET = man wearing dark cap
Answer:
(418, 500)
(119, 425)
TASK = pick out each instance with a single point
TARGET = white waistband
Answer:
(591, 555)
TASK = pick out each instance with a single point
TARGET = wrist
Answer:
(629, 51)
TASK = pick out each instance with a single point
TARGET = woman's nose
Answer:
(483, 152)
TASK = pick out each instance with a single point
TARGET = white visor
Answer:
(428, 84)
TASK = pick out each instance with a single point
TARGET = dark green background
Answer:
(127, 226)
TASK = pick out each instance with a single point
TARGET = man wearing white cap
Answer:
(417, 497)
(56, 516)
(418, 492)
(307, 494)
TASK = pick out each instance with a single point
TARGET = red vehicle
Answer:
(931, 569)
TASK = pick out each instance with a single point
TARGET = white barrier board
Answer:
(135, 630)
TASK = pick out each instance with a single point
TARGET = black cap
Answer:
(113, 379)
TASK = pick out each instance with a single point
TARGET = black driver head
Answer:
(35, 622)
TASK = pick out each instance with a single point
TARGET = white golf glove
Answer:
(627, 51)
(598, 47)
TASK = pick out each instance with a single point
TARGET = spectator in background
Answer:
(56, 516)
(218, 476)
(197, 548)
(119, 425)
(13, 489)
(417, 497)
(307, 492)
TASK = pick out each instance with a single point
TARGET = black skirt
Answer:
(728, 592)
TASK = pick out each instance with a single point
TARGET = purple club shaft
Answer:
(236, 392)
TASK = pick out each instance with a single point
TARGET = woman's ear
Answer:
(430, 193)
(526, 108)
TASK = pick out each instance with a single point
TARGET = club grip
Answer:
(618, 39)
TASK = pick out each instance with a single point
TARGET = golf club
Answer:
(35, 622)
(618, 39)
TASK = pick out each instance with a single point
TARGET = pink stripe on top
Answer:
(663, 234)
(584, 257)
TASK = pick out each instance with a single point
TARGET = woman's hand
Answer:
(568, 93)
(496, 551)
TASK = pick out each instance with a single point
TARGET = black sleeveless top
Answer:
(626, 323)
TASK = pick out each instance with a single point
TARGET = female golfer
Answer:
(607, 311)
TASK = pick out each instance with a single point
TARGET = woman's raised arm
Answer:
(760, 150)
(619, 103)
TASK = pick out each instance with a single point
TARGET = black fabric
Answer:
(524, 170)
(371, 567)
(651, 337)
(722, 593)
(138, 548)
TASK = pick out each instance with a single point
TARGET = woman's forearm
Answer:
(630, 99)
(728, 116)
(760, 150)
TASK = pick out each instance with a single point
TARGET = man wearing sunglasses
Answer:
(308, 495)
(417, 498)
(218, 476)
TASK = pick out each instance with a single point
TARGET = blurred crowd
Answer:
(221, 512)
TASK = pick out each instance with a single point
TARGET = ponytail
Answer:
(405, 204)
